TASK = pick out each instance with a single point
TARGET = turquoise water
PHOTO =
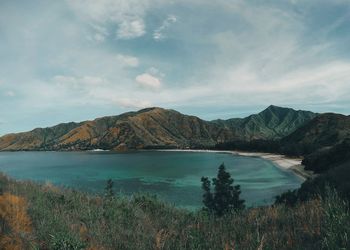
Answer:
(173, 176)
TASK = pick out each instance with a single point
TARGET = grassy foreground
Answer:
(36, 216)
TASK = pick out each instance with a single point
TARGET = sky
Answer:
(74, 60)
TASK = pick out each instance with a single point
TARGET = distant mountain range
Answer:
(163, 128)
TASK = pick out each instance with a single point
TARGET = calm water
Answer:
(174, 176)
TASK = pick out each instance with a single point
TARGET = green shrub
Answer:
(65, 241)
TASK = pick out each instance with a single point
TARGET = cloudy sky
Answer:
(73, 60)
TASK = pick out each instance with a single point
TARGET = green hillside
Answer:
(157, 128)
(271, 124)
(325, 130)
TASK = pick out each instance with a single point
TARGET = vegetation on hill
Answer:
(332, 166)
(271, 124)
(324, 142)
(325, 130)
(52, 218)
(158, 128)
(327, 158)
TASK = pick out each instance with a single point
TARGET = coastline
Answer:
(281, 161)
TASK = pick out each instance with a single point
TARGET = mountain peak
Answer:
(274, 107)
(273, 110)
(150, 109)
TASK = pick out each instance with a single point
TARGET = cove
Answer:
(172, 176)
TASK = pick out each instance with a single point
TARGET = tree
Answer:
(225, 197)
(109, 189)
(289, 198)
(207, 196)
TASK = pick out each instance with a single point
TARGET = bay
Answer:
(172, 176)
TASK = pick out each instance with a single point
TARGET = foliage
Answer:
(109, 193)
(289, 198)
(15, 223)
(270, 146)
(336, 223)
(63, 218)
(64, 240)
(322, 160)
(336, 178)
(225, 198)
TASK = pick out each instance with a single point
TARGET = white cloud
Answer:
(158, 34)
(132, 103)
(129, 61)
(93, 91)
(325, 83)
(148, 81)
(100, 33)
(131, 29)
(79, 82)
(10, 93)
(103, 11)
(127, 15)
(156, 72)
(99, 37)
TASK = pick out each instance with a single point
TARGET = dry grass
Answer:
(66, 219)
(15, 222)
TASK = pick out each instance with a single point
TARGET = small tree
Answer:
(109, 194)
(207, 196)
(225, 197)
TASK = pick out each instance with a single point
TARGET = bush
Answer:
(66, 241)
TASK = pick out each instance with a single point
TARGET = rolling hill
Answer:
(158, 128)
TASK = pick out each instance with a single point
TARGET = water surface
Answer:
(173, 176)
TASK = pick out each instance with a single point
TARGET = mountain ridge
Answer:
(157, 127)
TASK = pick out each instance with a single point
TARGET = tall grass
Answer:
(336, 222)
(15, 224)
(66, 219)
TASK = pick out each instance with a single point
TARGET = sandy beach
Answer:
(281, 161)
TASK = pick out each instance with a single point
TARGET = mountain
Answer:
(271, 124)
(325, 130)
(158, 128)
(34, 139)
(146, 128)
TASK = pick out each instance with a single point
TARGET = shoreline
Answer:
(282, 162)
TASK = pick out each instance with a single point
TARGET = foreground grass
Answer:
(45, 217)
